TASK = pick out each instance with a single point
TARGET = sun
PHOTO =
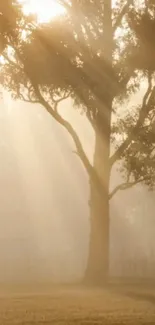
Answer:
(44, 9)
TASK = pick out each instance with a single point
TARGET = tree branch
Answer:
(54, 113)
(67, 126)
(26, 100)
(142, 115)
(125, 186)
(58, 101)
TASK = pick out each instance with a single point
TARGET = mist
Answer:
(44, 209)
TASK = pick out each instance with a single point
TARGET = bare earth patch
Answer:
(79, 306)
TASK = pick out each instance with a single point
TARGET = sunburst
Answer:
(44, 9)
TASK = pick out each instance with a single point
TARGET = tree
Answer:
(90, 56)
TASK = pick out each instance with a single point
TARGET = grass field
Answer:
(69, 306)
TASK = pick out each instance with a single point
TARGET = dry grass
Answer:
(79, 306)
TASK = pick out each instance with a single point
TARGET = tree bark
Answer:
(98, 260)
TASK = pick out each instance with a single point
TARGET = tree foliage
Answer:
(68, 57)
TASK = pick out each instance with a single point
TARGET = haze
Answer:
(44, 224)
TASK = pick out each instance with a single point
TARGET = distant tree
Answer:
(97, 54)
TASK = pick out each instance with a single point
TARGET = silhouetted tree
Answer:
(97, 55)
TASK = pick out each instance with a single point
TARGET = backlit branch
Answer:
(58, 101)
(54, 113)
(27, 100)
(125, 186)
(142, 115)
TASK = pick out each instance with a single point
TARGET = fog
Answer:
(44, 193)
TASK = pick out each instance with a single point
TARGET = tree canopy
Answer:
(67, 57)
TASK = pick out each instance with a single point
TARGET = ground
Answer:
(67, 306)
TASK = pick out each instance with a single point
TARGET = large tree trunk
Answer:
(98, 260)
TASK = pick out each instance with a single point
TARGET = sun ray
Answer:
(44, 9)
